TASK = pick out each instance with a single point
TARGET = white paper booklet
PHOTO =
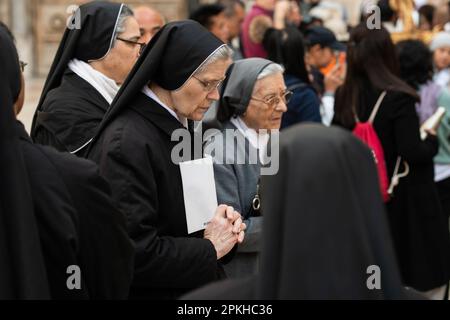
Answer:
(199, 190)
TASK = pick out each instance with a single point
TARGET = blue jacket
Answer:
(304, 104)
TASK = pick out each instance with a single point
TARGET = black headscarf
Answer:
(89, 36)
(22, 268)
(237, 88)
(170, 59)
(324, 223)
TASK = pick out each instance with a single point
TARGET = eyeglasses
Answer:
(22, 65)
(274, 100)
(142, 44)
(210, 85)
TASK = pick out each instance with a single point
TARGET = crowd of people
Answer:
(339, 157)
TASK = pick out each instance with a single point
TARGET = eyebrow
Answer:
(274, 93)
(210, 80)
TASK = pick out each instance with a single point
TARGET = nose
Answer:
(281, 106)
(214, 94)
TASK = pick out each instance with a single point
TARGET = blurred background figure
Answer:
(426, 17)
(234, 14)
(440, 46)
(423, 249)
(150, 22)
(212, 17)
(416, 65)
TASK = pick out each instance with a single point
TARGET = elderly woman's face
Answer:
(263, 115)
(195, 97)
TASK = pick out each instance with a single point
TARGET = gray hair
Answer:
(125, 13)
(222, 53)
(271, 69)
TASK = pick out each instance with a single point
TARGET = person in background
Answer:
(322, 50)
(426, 13)
(440, 46)
(416, 66)
(212, 17)
(150, 22)
(389, 17)
(259, 16)
(263, 15)
(235, 14)
(419, 227)
(287, 48)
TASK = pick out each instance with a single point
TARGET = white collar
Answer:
(149, 93)
(107, 87)
(257, 140)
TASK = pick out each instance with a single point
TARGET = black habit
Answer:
(55, 212)
(78, 222)
(22, 266)
(70, 109)
(134, 154)
(324, 225)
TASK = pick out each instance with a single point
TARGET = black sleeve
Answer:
(407, 135)
(161, 261)
(106, 253)
(57, 221)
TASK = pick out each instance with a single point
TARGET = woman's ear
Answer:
(18, 105)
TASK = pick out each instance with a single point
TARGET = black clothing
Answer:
(78, 223)
(324, 224)
(22, 267)
(418, 225)
(133, 149)
(70, 115)
(135, 157)
(69, 108)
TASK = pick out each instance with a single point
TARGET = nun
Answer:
(173, 82)
(22, 265)
(61, 237)
(252, 103)
(325, 232)
(97, 51)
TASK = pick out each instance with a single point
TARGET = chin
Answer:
(196, 116)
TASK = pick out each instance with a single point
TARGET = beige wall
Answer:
(44, 22)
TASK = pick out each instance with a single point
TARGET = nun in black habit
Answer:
(22, 266)
(174, 80)
(325, 233)
(56, 213)
(96, 53)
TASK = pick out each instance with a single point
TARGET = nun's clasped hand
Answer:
(225, 230)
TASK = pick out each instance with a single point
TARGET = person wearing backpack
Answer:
(286, 47)
(418, 224)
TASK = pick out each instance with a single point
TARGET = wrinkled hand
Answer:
(225, 230)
